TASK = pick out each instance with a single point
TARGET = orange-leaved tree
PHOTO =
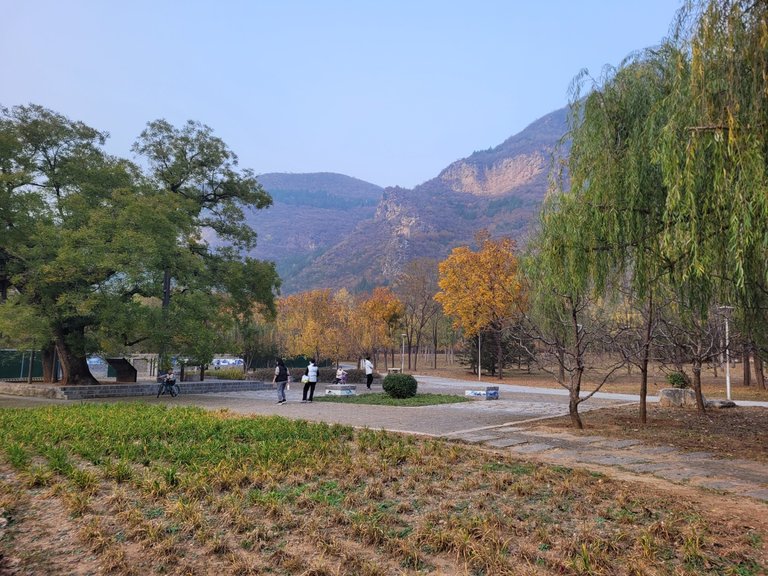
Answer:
(482, 290)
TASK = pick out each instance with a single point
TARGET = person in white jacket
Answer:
(368, 365)
(309, 386)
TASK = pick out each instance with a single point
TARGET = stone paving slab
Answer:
(647, 467)
(477, 438)
(507, 442)
(702, 456)
(675, 474)
(658, 450)
(617, 444)
(610, 459)
(758, 494)
(532, 448)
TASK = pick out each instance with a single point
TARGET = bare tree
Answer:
(416, 288)
(571, 341)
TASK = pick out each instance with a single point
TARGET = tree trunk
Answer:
(575, 385)
(747, 381)
(561, 356)
(434, 345)
(573, 407)
(697, 385)
(31, 366)
(759, 376)
(202, 372)
(48, 359)
(644, 361)
(74, 365)
(499, 354)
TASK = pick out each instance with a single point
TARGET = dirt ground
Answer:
(740, 432)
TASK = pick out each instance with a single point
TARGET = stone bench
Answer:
(490, 393)
(340, 390)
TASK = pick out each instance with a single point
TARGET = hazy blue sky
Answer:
(388, 91)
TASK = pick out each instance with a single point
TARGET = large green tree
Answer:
(91, 247)
(90, 231)
(198, 168)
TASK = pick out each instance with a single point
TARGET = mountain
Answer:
(367, 234)
(310, 213)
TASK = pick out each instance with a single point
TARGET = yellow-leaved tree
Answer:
(378, 317)
(304, 322)
(482, 290)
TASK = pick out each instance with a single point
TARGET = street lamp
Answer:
(726, 312)
(479, 361)
(402, 354)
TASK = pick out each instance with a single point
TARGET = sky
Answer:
(388, 91)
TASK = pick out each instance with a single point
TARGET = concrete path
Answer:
(498, 424)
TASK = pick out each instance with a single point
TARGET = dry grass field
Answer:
(137, 489)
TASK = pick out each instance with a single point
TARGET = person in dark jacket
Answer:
(281, 379)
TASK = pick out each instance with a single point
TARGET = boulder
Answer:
(677, 397)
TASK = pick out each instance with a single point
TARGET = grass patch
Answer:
(383, 399)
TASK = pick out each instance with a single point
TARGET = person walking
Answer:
(309, 386)
(281, 379)
(368, 365)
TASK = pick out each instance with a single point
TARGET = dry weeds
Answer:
(206, 493)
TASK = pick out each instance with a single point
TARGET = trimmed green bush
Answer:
(400, 385)
(678, 380)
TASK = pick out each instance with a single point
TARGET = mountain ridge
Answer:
(360, 236)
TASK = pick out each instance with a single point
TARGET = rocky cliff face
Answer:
(499, 179)
(500, 190)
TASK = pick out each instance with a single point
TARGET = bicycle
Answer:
(169, 387)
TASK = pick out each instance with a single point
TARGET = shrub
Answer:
(226, 374)
(400, 385)
(678, 380)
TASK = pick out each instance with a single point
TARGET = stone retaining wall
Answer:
(125, 390)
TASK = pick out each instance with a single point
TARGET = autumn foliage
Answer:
(482, 290)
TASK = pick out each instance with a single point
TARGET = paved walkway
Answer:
(500, 424)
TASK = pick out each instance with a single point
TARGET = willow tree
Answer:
(615, 125)
(483, 289)
(567, 321)
(713, 153)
